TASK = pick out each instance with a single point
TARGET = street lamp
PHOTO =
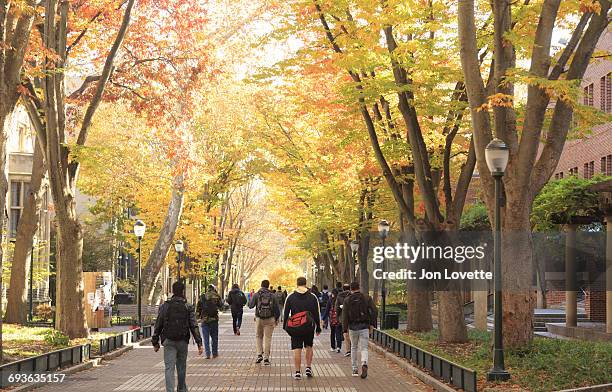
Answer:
(139, 231)
(178, 246)
(354, 249)
(496, 155)
(321, 269)
(383, 231)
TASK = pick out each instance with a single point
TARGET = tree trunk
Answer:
(17, 301)
(70, 309)
(164, 241)
(517, 287)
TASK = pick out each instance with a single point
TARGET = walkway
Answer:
(141, 369)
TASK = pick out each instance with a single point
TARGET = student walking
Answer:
(175, 321)
(302, 320)
(280, 300)
(236, 300)
(323, 301)
(342, 295)
(358, 319)
(208, 308)
(267, 314)
(335, 327)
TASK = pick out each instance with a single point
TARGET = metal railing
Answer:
(45, 363)
(114, 342)
(456, 375)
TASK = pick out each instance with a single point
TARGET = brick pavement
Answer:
(141, 369)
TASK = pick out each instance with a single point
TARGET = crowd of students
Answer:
(346, 311)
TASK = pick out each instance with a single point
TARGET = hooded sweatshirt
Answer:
(302, 300)
(236, 299)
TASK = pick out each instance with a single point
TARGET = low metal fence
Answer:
(114, 342)
(456, 375)
(44, 363)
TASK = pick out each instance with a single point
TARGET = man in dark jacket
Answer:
(236, 300)
(175, 320)
(302, 300)
(208, 311)
(358, 319)
(266, 318)
(346, 291)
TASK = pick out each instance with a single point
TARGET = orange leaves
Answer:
(499, 100)
(590, 6)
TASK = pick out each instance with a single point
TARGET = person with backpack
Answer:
(208, 311)
(266, 318)
(236, 300)
(323, 300)
(302, 320)
(335, 328)
(358, 319)
(175, 321)
(280, 300)
(342, 295)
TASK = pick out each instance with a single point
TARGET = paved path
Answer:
(141, 369)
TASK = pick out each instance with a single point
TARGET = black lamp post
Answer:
(139, 231)
(321, 269)
(31, 303)
(496, 155)
(354, 249)
(178, 246)
(383, 231)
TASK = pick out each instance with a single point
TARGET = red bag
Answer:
(333, 316)
(300, 324)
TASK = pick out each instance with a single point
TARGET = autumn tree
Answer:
(16, 18)
(534, 132)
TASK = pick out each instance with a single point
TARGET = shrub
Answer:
(56, 338)
(45, 312)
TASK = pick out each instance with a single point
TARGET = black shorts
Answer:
(302, 341)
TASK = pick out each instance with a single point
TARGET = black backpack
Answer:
(210, 307)
(265, 302)
(176, 323)
(357, 308)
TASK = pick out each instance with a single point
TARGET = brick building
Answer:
(592, 154)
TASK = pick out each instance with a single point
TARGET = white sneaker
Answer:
(338, 350)
(332, 350)
(355, 372)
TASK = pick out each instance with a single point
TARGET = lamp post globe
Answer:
(179, 247)
(139, 230)
(497, 156)
(383, 228)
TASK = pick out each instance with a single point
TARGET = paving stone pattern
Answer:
(141, 369)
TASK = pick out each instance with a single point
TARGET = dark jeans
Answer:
(175, 355)
(210, 331)
(237, 319)
(336, 336)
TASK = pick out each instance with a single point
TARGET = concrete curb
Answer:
(405, 365)
(84, 366)
(594, 388)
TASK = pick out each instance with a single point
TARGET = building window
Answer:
(606, 165)
(589, 169)
(559, 176)
(605, 88)
(573, 171)
(19, 191)
(588, 95)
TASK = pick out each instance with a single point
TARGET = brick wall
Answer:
(595, 301)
